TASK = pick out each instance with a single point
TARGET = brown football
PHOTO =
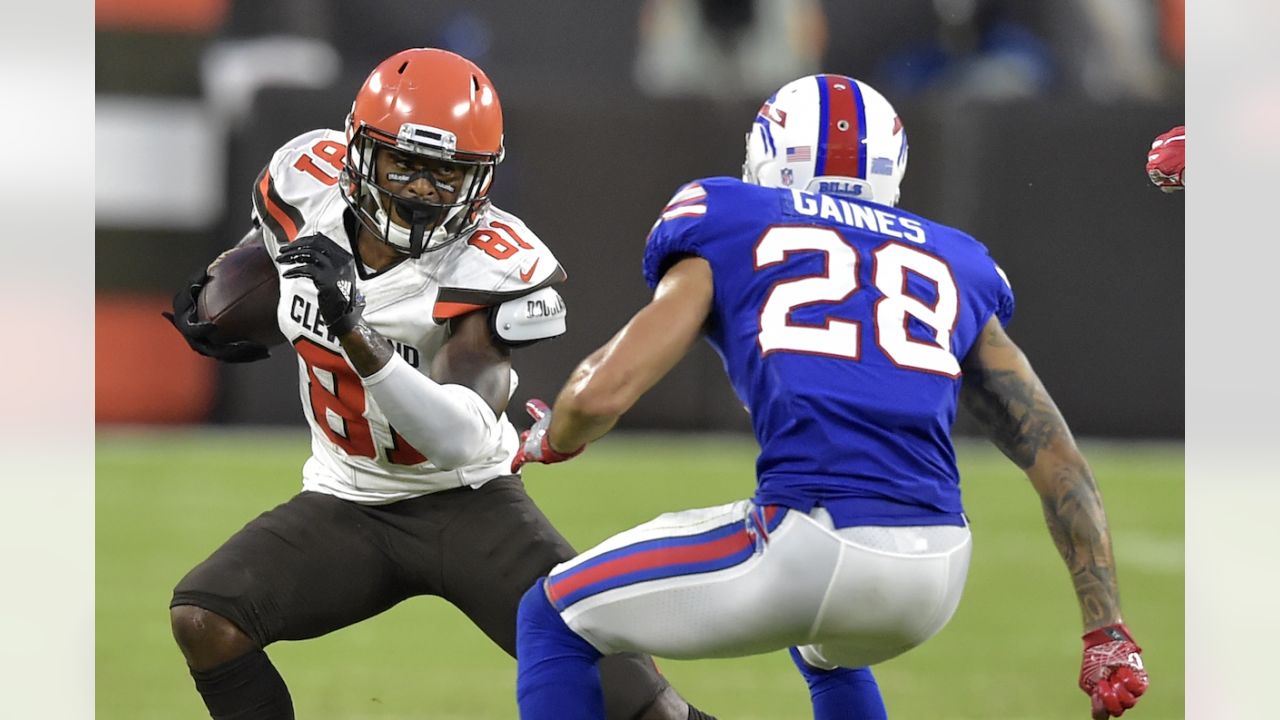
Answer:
(241, 296)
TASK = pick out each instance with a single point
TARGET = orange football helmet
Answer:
(435, 104)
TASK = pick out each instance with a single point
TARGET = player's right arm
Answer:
(199, 333)
(1003, 392)
(609, 381)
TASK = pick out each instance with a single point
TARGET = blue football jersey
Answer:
(841, 324)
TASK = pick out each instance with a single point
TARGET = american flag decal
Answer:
(799, 154)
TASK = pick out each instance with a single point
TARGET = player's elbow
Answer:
(456, 455)
(448, 461)
(467, 447)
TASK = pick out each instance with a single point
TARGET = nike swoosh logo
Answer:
(528, 275)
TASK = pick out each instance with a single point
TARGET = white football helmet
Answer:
(828, 133)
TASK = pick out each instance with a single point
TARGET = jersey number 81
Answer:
(338, 404)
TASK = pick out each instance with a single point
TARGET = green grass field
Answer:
(165, 501)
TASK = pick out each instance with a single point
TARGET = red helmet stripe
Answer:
(843, 148)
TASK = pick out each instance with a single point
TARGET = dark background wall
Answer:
(1053, 188)
(1051, 180)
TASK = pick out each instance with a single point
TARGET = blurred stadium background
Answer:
(1028, 124)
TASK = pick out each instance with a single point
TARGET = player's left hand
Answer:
(199, 334)
(1111, 672)
(333, 271)
(534, 445)
(1166, 162)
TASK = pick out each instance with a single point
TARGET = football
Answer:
(241, 295)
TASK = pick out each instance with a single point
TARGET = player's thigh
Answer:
(300, 570)
(495, 547)
(715, 582)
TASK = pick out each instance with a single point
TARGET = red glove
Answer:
(1111, 672)
(1167, 159)
(534, 446)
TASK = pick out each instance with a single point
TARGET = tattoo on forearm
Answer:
(1016, 414)
(1021, 419)
(1076, 521)
(367, 350)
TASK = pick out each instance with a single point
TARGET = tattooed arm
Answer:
(1003, 393)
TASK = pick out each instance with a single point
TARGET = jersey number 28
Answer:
(841, 338)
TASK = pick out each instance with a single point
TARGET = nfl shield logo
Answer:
(787, 177)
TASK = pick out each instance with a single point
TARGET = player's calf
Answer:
(841, 692)
(247, 688)
(234, 676)
(670, 706)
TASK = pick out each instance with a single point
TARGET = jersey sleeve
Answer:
(299, 177)
(499, 261)
(1004, 296)
(675, 234)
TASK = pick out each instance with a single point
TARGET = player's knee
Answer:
(206, 638)
(811, 667)
(540, 627)
(534, 606)
(816, 670)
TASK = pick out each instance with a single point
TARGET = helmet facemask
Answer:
(432, 225)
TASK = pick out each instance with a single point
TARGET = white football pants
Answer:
(738, 580)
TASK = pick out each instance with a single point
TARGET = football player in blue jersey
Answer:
(850, 330)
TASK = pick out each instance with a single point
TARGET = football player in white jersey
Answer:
(403, 290)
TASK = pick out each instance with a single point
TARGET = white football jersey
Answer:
(355, 453)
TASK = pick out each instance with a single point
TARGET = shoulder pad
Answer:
(529, 318)
(301, 179)
(674, 233)
(499, 261)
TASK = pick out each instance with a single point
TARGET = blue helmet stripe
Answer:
(862, 127)
(820, 152)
